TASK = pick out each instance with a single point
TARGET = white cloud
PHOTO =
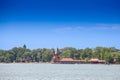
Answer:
(63, 29)
(90, 28)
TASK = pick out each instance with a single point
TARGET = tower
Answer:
(56, 55)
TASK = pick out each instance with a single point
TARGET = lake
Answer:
(36, 71)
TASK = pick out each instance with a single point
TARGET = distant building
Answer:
(56, 56)
(96, 60)
(56, 59)
(70, 61)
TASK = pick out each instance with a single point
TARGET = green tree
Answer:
(24, 46)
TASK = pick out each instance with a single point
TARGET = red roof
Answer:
(66, 59)
(94, 59)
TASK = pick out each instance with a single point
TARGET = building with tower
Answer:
(56, 59)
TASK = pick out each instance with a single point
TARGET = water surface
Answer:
(36, 71)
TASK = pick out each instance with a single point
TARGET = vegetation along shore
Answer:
(111, 55)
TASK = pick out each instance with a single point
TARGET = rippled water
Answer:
(35, 71)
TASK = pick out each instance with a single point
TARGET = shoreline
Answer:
(54, 63)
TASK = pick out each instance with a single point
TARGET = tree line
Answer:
(23, 54)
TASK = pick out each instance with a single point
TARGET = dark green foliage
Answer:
(24, 46)
(22, 54)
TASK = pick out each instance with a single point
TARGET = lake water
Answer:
(36, 71)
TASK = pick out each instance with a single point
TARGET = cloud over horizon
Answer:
(89, 28)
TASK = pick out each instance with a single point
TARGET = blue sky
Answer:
(59, 23)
